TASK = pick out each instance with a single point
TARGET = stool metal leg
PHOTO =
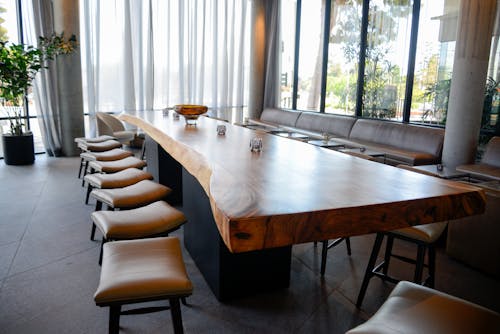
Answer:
(388, 253)
(89, 190)
(114, 319)
(85, 172)
(371, 264)
(175, 311)
(80, 169)
(419, 268)
(98, 207)
(432, 265)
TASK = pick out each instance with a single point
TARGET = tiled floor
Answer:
(49, 272)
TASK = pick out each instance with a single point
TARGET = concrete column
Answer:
(257, 58)
(475, 27)
(69, 75)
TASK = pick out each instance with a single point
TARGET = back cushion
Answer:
(280, 116)
(405, 136)
(339, 126)
(492, 154)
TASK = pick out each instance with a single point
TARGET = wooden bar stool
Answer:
(137, 271)
(130, 197)
(424, 236)
(111, 155)
(157, 219)
(411, 308)
(119, 179)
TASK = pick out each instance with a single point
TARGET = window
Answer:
(343, 57)
(288, 10)
(388, 39)
(434, 61)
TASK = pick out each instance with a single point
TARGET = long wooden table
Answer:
(290, 193)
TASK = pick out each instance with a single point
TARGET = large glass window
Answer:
(310, 54)
(288, 13)
(388, 40)
(434, 60)
(343, 57)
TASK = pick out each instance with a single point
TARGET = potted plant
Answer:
(19, 65)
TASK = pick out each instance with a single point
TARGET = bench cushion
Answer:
(146, 221)
(412, 308)
(280, 116)
(136, 270)
(407, 137)
(492, 154)
(334, 125)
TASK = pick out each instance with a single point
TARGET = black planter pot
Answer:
(18, 150)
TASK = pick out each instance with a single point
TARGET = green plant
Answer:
(19, 64)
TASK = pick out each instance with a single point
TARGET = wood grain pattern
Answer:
(293, 192)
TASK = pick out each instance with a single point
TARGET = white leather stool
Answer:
(153, 220)
(133, 196)
(119, 179)
(414, 309)
(137, 271)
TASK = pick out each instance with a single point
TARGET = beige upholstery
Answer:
(110, 125)
(136, 270)
(427, 233)
(114, 154)
(99, 147)
(146, 221)
(334, 125)
(402, 143)
(133, 196)
(116, 165)
(414, 309)
(93, 140)
(280, 116)
(119, 179)
(489, 167)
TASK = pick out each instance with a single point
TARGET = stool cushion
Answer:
(146, 221)
(124, 136)
(111, 155)
(93, 140)
(133, 196)
(100, 147)
(119, 179)
(136, 270)
(427, 233)
(412, 308)
(116, 165)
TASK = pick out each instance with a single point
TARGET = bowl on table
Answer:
(191, 112)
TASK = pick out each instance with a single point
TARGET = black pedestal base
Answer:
(228, 275)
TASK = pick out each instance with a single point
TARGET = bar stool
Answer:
(137, 271)
(411, 308)
(99, 146)
(424, 236)
(111, 155)
(119, 179)
(157, 219)
(116, 165)
(130, 197)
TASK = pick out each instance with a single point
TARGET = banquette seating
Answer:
(489, 166)
(402, 143)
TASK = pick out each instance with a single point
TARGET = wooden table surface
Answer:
(293, 192)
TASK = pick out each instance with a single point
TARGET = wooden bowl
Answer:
(191, 112)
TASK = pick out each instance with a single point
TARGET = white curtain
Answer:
(38, 21)
(152, 54)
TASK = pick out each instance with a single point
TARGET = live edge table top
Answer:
(293, 192)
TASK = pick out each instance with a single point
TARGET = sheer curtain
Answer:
(152, 54)
(38, 21)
